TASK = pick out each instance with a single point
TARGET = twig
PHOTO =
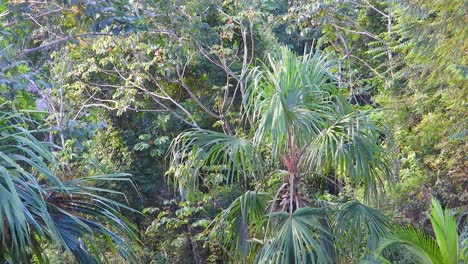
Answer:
(64, 39)
(35, 17)
(195, 98)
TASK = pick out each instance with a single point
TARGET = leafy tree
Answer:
(406, 56)
(429, 118)
(299, 117)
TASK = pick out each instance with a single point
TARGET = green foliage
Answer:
(199, 150)
(445, 247)
(177, 227)
(357, 224)
(428, 106)
(245, 216)
(37, 207)
(294, 240)
(117, 81)
(157, 145)
(291, 108)
(288, 97)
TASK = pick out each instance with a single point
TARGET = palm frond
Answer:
(65, 214)
(82, 208)
(296, 240)
(241, 222)
(22, 205)
(350, 146)
(424, 248)
(204, 150)
(462, 223)
(421, 246)
(356, 224)
(289, 97)
(446, 232)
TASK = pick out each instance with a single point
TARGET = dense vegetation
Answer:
(256, 131)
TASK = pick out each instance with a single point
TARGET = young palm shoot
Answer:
(445, 247)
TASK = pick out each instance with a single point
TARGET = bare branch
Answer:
(376, 9)
(369, 5)
(194, 97)
(58, 41)
(88, 34)
(4, 13)
(368, 66)
(83, 106)
(100, 105)
(363, 32)
(34, 18)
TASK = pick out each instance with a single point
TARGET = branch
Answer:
(367, 64)
(34, 18)
(225, 68)
(154, 96)
(376, 9)
(193, 124)
(58, 41)
(100, 105)
(168, 97)
(83, 106)
(369, 5)
(195, 98)
(4, 13)
(365, 33)
(64, 39)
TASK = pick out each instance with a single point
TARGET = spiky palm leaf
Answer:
(420, 245)
(69, 214)
(82, 214)
(197, 150)
(463, 237)
(350, 145)
(289, 98)
(295, 239)
(242, 223)
(444, 248)
(446, 232)
(356, 224)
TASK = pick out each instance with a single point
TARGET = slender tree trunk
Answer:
(389, 38)
(197, 251)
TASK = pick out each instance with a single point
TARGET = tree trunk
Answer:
(197, 251)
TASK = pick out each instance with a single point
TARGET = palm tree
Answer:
(445, 247)
(37, 209)
(302, 123)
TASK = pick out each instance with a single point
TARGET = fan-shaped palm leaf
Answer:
(350, 145)
(289, 98)
(242, 222)
(296, 240)
(197, 150)
(356, 223)
(68, 214)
